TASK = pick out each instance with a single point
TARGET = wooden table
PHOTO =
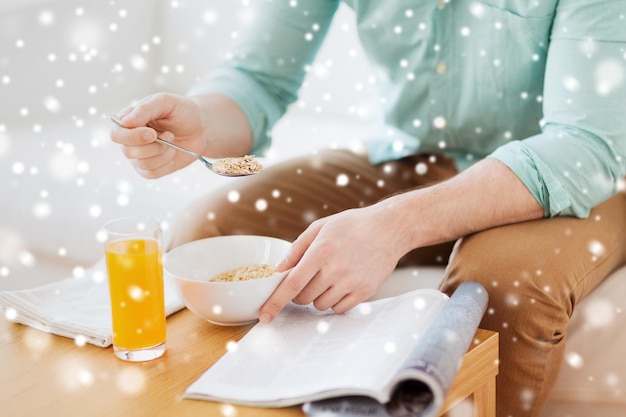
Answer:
(47, 375)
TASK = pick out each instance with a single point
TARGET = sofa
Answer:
(66, 65)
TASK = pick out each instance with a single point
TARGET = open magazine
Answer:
(391, 357)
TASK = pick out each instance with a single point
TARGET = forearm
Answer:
(484, 196)
(226, 129)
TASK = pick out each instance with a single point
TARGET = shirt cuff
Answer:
(538, 178)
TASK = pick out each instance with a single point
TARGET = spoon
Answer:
(227, 167)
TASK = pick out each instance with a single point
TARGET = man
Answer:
(506, 139)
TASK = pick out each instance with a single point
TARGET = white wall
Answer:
(69, 60)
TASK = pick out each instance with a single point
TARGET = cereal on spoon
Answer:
(240, 165)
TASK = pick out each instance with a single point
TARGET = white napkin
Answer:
(77, 308)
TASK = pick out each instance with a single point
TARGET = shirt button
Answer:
(442, 68)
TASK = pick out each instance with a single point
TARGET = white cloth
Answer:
(74, 307)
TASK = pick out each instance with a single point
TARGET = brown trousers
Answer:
(536, 272)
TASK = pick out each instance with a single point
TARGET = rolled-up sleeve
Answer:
(267, 63)
(579, 158)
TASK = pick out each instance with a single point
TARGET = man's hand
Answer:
(210, 125)
(338, 262)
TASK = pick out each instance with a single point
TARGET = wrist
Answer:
(225, 129)
(399, 216)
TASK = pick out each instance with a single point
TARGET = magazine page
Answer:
(424, 378)
(305, 354)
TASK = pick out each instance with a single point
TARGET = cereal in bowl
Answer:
(245, 273)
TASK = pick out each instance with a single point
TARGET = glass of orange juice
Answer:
(134, 265)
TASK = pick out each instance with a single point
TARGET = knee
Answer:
(524, 300)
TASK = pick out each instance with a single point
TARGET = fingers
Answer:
(153, 168)
(133, 136)
(299, 246)
(312, 279)
(287, 290)
(151, 108)
(153, 160)
(297, 279)
(328, 298)
(347, 303)
(138, 122)
(320, 291)
(340, 296)
(311, 292)
(129, 135)
(122, 113)
(137, 135)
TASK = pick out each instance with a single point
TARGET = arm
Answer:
(574, 164)
(486, 195)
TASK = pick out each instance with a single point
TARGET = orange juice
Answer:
(136, 286)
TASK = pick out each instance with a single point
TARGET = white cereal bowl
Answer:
(194, 264)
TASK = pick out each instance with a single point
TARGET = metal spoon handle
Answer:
(187, 151)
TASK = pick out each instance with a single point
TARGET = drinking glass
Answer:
(134, 265)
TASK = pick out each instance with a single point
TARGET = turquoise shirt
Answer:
(539, 85)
